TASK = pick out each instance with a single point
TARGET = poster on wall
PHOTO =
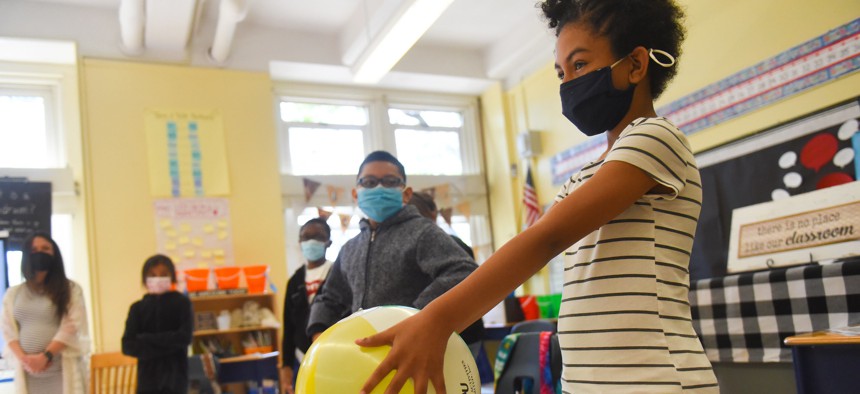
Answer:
(194, 232)
(187, 156)
(812, 153)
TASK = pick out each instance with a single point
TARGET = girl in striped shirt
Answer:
(625, 222)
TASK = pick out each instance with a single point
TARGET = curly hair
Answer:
(627, 24)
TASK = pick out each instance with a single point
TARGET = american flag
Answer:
(530, 202)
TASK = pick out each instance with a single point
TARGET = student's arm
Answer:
(131, 346)
(288, 345)
(146, 346)
(440, 258)
(332, 302)
(611, 190)
(168, 342)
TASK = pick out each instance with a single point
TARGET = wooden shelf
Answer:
(247, 357)
(232, 337)
(202, 333)
(229, 297)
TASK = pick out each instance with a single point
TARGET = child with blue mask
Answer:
(314, 240)
(397, 258)
(381, 189)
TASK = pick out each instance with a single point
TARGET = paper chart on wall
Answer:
(194, 232)
(186, 152)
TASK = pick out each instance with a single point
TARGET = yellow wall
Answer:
(500, 187)
(121, 221)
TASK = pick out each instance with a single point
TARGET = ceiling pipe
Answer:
(132, 18)
(230, 13)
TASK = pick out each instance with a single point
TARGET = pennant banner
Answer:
(446, 214)
(323, 213)
(443, 195)
(465, 209)
(335, 195)
(310, 188)
(344, 220)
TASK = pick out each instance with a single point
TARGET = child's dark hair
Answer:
(382, 155)
(56, 284)
(424, 202)
(319, 221)
(155, 261)
(627, 24)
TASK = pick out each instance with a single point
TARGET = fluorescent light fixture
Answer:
(409, 23)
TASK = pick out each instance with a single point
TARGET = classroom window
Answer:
(428, 142)
(322, 139)
(325, 133)
(27, 131)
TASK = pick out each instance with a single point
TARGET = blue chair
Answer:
(522, 370)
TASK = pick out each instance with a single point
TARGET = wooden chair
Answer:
(113, 373)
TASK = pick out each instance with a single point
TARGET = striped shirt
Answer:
(625, 323)
(36, 317)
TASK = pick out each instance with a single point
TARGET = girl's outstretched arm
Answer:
(418, 343)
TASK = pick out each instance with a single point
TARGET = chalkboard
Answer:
(25, 208)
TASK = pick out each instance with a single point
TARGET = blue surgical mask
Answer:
(380, 203)
(592, 104)
(313, 250)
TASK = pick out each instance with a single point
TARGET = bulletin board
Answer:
(811, 153)
(194, 232)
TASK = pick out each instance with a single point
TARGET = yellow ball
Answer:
(335, 364)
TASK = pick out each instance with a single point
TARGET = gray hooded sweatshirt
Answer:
(407, 260)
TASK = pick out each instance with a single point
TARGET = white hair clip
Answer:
(670, 63)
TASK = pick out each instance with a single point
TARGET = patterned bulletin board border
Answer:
(817, 61)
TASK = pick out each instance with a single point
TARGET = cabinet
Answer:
(231, 340)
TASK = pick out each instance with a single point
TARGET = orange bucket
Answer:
(256, 276)
(227, 277)
(197, 279)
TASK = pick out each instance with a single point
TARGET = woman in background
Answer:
(158, 331)
(45, 325)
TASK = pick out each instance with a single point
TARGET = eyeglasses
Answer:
(369, 182)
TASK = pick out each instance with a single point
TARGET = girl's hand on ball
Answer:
(417, 352)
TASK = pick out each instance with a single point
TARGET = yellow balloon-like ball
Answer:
(335, 364)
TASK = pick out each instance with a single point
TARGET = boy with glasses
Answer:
(398, 258)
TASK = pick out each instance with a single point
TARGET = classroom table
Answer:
(825, 362)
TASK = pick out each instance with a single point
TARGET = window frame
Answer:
(471, 184)
(48, 90)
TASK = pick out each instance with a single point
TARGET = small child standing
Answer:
(158, 331)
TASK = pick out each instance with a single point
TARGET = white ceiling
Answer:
(472, 44)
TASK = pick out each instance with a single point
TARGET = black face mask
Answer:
(41, 261)
(592, 104)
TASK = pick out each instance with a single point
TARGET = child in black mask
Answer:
(626, 222)
(158, 331)
(44, 323)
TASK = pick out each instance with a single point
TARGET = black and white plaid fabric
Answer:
(745, 317)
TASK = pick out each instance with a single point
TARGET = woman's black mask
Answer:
(41, 261)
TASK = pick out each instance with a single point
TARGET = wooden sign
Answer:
(810, 227)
